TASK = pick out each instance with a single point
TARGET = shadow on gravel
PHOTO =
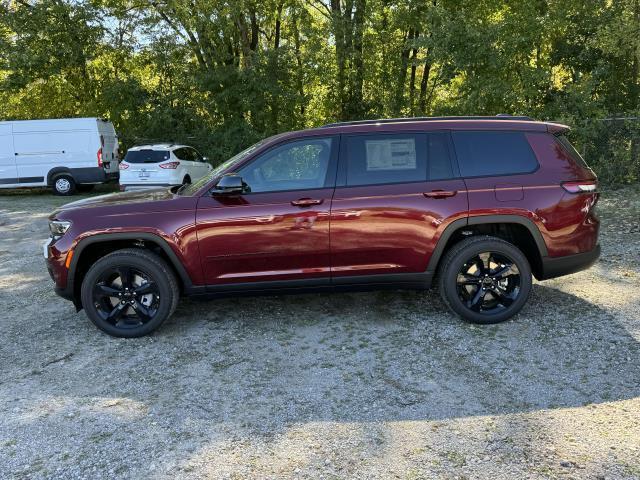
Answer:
(252, 367)
(389, 356)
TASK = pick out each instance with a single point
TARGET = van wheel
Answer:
(129, 293)
(485, 279)
(84, 188)
(64, 185)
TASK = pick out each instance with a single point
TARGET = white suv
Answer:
(161, 165)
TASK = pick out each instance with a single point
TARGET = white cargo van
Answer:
(65, 154)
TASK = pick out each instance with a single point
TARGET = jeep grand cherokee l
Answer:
(478, 204)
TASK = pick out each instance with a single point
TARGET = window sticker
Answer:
(396, 154)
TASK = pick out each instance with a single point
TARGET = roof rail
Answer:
(500, 116)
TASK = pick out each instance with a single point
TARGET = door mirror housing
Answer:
(229, 184)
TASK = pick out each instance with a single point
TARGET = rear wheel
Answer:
(64, 185)
(129, 293)
(485, 279)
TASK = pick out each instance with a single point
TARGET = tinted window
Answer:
(146, 156)
(385, 158)
(438, 160)
(182, 154)
(493, 153)
(195, 156)
(294, 166)
(573, 153)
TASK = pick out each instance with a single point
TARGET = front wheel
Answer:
(485, 279)
(129, 293)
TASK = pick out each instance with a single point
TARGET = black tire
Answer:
(483, 289)
(85, 187)
(117, 309)
(63, 185)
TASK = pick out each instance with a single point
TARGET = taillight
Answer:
(586, 186)
(100, 157)
(124, 166)
(171, 165)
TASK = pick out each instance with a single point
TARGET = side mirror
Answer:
(229, 184)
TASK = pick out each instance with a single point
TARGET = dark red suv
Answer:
(479, 203)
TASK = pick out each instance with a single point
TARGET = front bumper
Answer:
(553, 267)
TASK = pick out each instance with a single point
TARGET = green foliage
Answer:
(221, 75)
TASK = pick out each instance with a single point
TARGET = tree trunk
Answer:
(412, 81)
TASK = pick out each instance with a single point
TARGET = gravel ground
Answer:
(363, 385)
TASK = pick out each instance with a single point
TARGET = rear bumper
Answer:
(93, 175)
(553, 267)
(130, 187)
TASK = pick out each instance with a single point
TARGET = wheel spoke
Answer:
(142, 311)
(466, 279)
(149, 287)
(504, 272)
(125, 277)
(505, 299)
(106, 291)
(116, 313)
(478, 299)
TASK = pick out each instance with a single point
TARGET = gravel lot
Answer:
(363, 385)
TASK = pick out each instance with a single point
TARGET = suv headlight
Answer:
(58, 227)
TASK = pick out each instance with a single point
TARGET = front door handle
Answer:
(440, 193)
(306, 202)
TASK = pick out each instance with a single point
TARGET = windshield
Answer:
(192, 188)
(146, 156)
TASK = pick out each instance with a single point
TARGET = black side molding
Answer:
(559, 266)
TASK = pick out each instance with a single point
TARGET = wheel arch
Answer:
(57, 171)
(89, 249)
(516, 229)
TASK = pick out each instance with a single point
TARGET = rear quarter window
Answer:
(493, 153)
(571, 151)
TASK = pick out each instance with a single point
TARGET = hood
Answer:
(123, 198)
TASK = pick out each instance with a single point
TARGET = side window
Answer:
(195, 156)
(181, 154)
(385, 158)
(438, 158)
(493, 153)
(298, 165)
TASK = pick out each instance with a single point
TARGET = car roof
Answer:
(501, 122)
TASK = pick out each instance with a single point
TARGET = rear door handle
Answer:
(306, 202)
(440, 193)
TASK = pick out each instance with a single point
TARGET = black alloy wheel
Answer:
(126, 297)
(129, 292)
(485, 279)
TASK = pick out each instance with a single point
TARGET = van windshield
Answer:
(146, 156)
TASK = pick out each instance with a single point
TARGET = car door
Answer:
(8, 169)
(278, 229)
(200, 167)
(395, 194)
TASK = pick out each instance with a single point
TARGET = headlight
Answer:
(58, 227)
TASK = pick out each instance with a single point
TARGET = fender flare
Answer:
(106, 237)
(482, 220)
(55, 171)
